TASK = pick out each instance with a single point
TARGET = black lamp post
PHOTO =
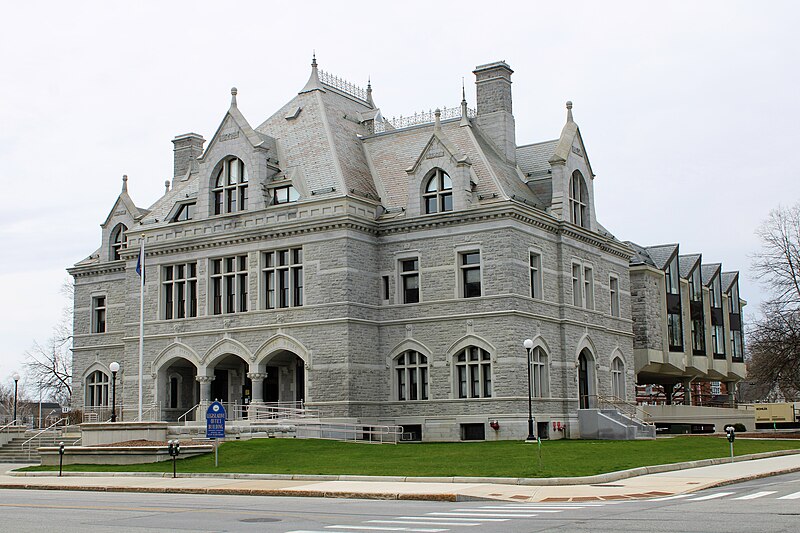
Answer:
(16, 383)
(528, 345)
(114, 367)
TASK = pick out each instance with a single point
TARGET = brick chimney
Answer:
(188, 147)
(495, 118)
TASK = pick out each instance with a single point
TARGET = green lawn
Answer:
(560, 458)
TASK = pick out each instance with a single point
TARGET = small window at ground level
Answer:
(412, 432)
(473, 431)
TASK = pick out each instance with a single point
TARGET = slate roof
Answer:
(728, 279)
(686, 264)
(640, 255)
(662, 253)
(533, 158)
(709, 272)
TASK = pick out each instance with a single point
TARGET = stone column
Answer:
(205, 389)
(731, 386)
(257, 379)
(668, 390)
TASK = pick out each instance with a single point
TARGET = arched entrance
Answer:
(585, 378)
(231, 384)
(284, 378)
(176, 387)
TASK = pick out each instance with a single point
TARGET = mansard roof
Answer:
(533, 159)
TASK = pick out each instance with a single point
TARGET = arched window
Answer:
(618, 378)
(438, 196)
(118, 240)
(473, 373)
(539, 373)
(578, 200)
(230, 187)
(411, 370)
(97, 389)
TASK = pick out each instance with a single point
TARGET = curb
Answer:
(539, 482)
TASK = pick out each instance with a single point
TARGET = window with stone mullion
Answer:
(228, 279)
(411, 369)
(230, 190)
(282, 278)
(438, 196)
(473, 373)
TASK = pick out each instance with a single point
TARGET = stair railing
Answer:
(630, 409)
(39, 434)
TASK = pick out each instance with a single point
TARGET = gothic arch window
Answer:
(539, 373)
(618, 378)
(411, 372)
(473, 373)
(97, 389)
(578, 200)
(438, 195)
(230, 187)
(118, 240)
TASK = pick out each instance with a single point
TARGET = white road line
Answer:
(424, 523)
(369, 528)
(756, 495)
(451, 519)
(793, 496)
(676, 497)
(711, 496)
(516, 509)
(534, 507)
(484, 515)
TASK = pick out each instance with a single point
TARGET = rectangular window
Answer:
(470, 268)
(385, 285)
(536, 275)
(675, 331)
(179, 291)
(282, 278)
(737, 348)
(718, 338)
(588, 287)
(671, 275)
(99, 314)
(229, 279)
(613, 289)
(409, 276)
(698, 337)
(696, 286)
(577, 286)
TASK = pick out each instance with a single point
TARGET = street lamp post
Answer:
(16, 383)
(114, 367)
(528, 345)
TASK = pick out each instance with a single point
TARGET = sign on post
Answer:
(215, 421)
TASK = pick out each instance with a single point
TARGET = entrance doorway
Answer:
(583, 381)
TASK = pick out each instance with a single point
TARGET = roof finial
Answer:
(166, 185)
(234, 92)
(569, 111)
(437, 122)
(124, 183)
(369, 93)
(313, 59)
(313, 80)
(464, 119)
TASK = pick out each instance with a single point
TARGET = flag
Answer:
(140, 260)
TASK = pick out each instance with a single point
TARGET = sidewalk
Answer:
(642, 486)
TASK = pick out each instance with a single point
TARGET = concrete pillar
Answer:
(668, 390)
(731, 386)
(258, 386)
(205, 388)
(687, 392)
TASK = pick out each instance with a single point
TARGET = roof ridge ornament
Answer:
(569, 111)
(437, 121)
(464, 111)
(234, 92)
(313, 80)
(369, 92)
(124, 183)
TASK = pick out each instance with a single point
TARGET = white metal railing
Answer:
(271, 411)
(423, 117)
(343, 85)
(52, 429)
(185, 416)
(307, 429)
(630, 409)
(102, 413)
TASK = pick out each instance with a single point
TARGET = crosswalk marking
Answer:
(534, 507)
(424, 523)
(793, 496)
(451, 519)
(676, 497)
(383, 528)
(711, 496)
(516, 509)
(756, 495)
(485, 515)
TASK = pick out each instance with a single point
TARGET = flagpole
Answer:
(141, 325)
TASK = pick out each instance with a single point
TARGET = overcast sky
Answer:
(686, 108)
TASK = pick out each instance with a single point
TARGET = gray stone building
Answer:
(380, 271)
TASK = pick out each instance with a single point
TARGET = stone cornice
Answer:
(97, 269)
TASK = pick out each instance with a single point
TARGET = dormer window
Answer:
(185, 212)
(578, 200)
(230, 189)
(118, 240)
(438, 195)
(284, 195)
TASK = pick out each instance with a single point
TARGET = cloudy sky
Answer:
(686, 108)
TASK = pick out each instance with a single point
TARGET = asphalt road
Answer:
(767, 505)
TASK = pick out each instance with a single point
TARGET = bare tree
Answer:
(49, 365)
(774, 339)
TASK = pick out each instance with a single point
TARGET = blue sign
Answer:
(215, 421)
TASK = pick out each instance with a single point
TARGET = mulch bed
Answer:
(138, 443)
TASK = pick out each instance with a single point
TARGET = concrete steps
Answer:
(15, 452)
